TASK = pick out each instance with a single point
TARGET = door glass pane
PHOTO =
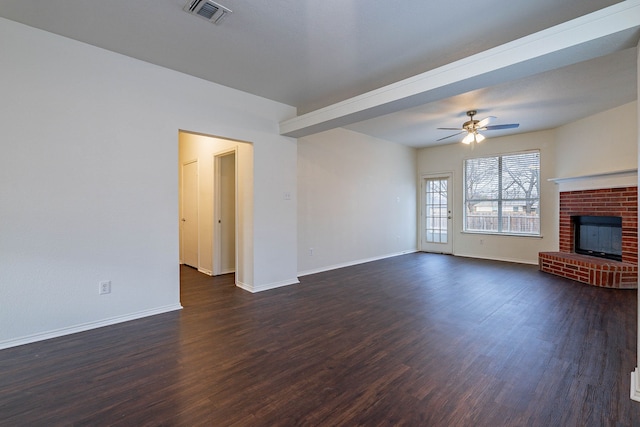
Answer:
(436, 211)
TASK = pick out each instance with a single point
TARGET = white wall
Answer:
(89, 183)
(357, 199)
(275, 220)
(605, 142)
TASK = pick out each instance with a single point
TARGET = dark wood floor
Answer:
(416, 340)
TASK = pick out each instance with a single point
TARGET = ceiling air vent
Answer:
(206, 9)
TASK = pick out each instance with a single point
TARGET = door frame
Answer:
(217, 241)
(449, 247)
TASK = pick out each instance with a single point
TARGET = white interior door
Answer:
(228, 214)
(189, 220)
(224, 252)
(437, 214)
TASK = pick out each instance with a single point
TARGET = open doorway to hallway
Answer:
(215, 195)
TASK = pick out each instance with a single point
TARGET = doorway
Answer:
(437, 213)
(236, 169)
(225, 207)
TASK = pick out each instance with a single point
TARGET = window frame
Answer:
(500, 200)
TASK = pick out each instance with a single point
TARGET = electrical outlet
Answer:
(310, 251)
(104, 287)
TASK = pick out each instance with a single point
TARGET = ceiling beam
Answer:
(602, 32)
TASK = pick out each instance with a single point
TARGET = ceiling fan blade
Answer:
(449, 128)
(451, 135)
(484, 122)
(507, 126)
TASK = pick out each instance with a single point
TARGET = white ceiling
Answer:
(543, 101)
(311, 54)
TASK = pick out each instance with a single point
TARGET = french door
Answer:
(436, 214)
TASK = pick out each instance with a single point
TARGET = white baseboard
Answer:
(259, 288)
(356, 262)
(204, 271)
(87, 326)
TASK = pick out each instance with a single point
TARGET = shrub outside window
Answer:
(502, 194)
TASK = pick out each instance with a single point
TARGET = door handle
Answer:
(183, 220)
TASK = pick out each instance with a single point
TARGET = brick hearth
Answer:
(622, 202)
(592, 270)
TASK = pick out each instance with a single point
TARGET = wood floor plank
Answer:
(415, 340)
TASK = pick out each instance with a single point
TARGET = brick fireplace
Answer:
(616, 202)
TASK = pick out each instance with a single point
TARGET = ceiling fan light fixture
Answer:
(468, 139)
(473, 127)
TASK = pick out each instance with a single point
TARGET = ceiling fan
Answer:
(473, 127)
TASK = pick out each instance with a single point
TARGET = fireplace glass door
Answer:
(599, 236)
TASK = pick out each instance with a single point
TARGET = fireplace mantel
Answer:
(613, 179)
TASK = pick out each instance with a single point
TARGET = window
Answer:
(502, 194)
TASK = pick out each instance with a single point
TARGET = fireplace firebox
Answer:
(599, 236)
